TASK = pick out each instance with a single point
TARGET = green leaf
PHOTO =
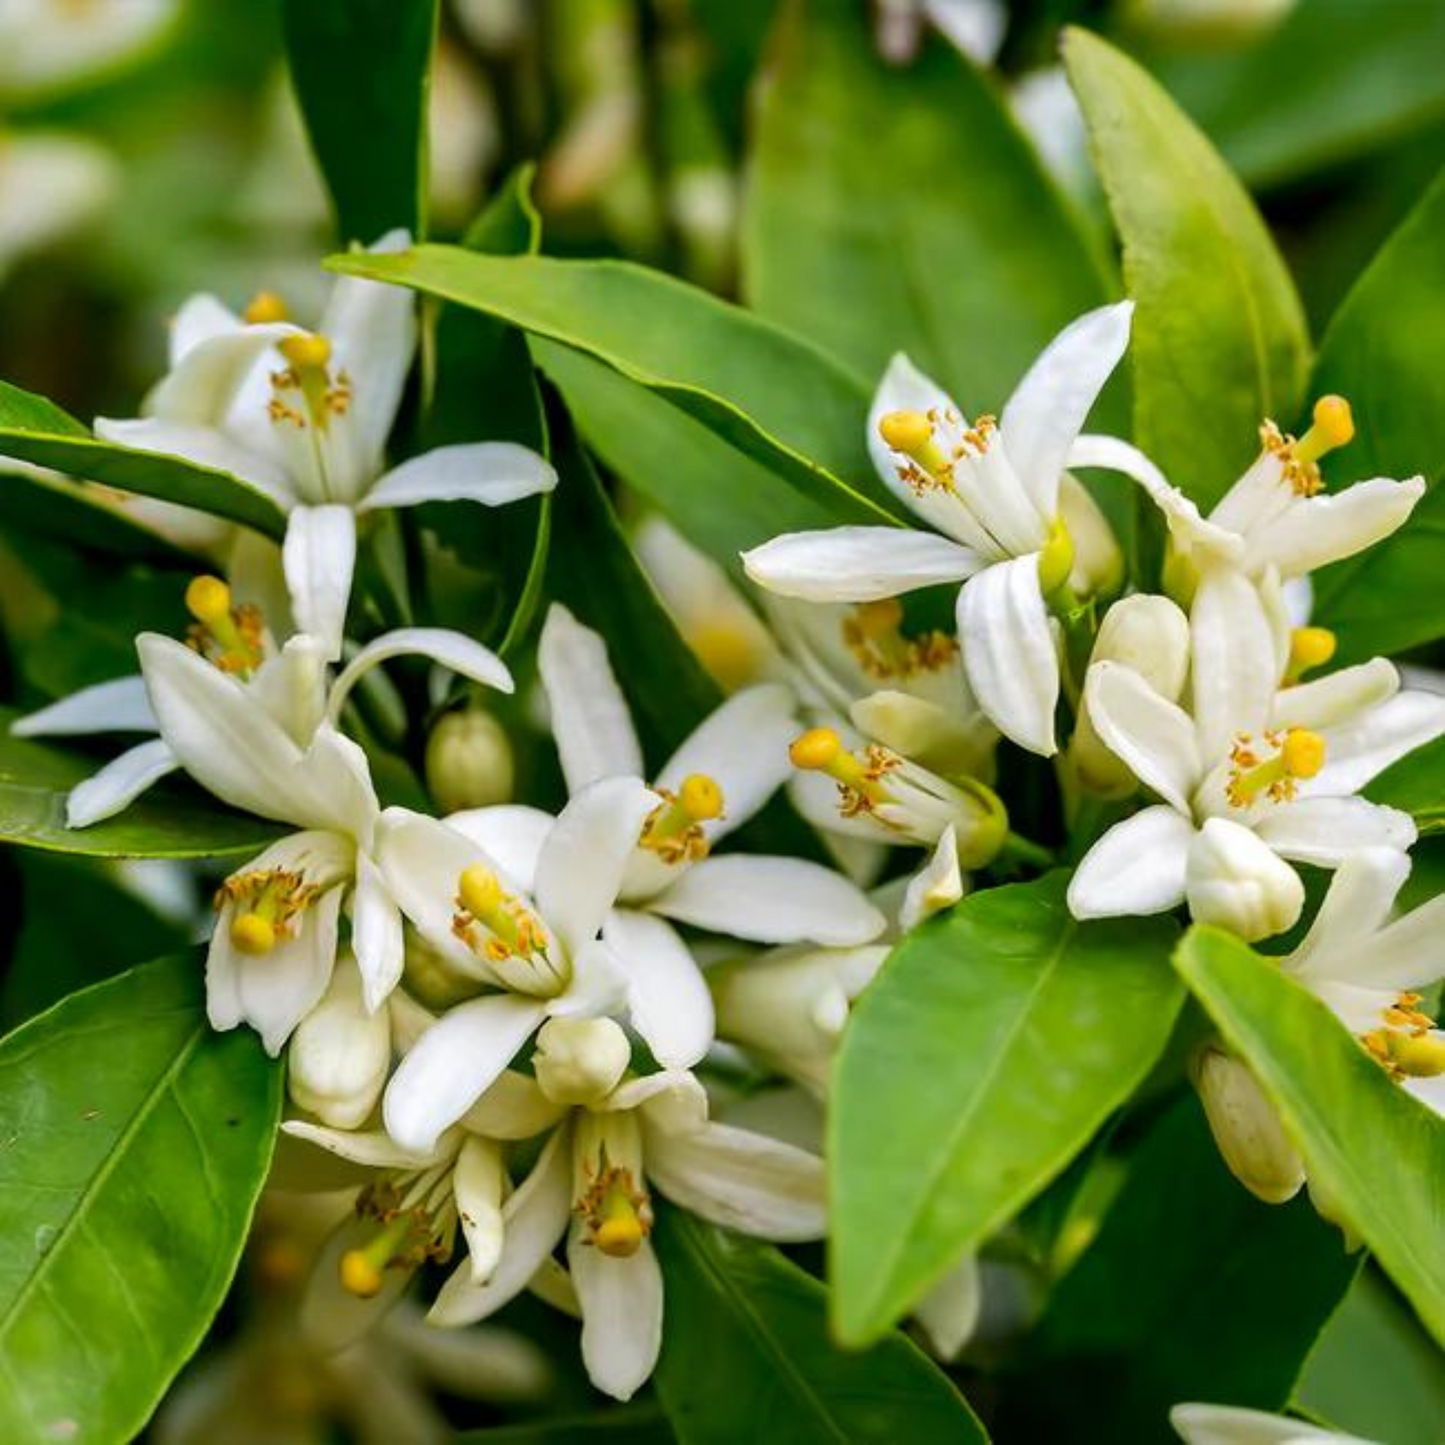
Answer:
(1219, 340)
(135, 1144)
(902, 210)
(992, 1045)
(361, 73)
(59, 509)
(1382, 351)
(1416, 785)
(773, 395)
(627, 1425)
(33, 429)
(1373, 1152)
(1191, 1290)
(746, 1355)
(169, 821)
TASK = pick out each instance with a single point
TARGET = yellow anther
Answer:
(620, 1238)
(816, 750)
(616, 1210)
(208, 600)
(359, 1276)
(264, 306)
(1420, 1056)
(396, 1241)
(306, 351)
(480, 890)
(253, 934)
(1309, 647)
(701, 798)
(1334, 420)
(1056, 560)
(1303, 753)
(906, 431)
(877, 620)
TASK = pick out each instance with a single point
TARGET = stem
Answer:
(1018, 849)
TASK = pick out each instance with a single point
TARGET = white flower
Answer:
(991, 492)
(304, 416)
(591, 1185)
(46, 44)
(51, 184)
(1226, 1425)
(1254, 773)
(1276, 515)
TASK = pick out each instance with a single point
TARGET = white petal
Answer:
(1325, 831)
(452, 1063)
(1226, 1425)
(511, 833)
(1009, 652)
(492, 473)
(771, 900)
(741, 1180)
(454, 650)
(319, 556)
(514, 1107)
(1147, 732)
(580, 870)
(477, 1182)
(1137, 867)
(373, 1147)
(1335, 698)
(1234, 666)
(949, 1311)
(1046, 412)
(200, 388)
(669, 1001)
(1363, 748)
(743, 747)
(291, 686)
(671, 1100)
(590, 718)
(200, 318)
(376, 934)
(118, 706)
(937, 885)
(119, 783)
(857, 564)
(1325, 528)
(1356, 905)
(206, 447)
(621, 1314)
(534, 1218)
(902, 387)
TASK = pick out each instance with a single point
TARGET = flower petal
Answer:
(477, 1182)
(201, 386)
(621, 1314)
(1137, 867)
(590, 718)
(514, 1107)
(1152, 736)
(200, 318)
(376, 934)
(1046, 412)
(373, 1147)
(492, 473)
(1227, 1425)
(1326, 831)
(1323, 529)
(203, 445)
(1361, 749)
(512, 833)
(857, 564)
(119, 783)
(666, 995)
(117, 706)
(452, 1064)
(1336, 698)
(949, 1311)
(319, 556)
(771, 900)
(939, 884)
(1235, 670)
(453, 650)
(1009, 651)
(1354, 909)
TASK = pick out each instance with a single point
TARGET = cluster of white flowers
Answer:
(496, 1015)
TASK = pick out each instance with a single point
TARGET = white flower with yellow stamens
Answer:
(619, 1137)
(1277, 515)
(1252, 775)
(305, 416)
(992, 493)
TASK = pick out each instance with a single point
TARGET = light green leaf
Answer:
(361, 73)
(135, 1144)
(771, 394)
(169, 821)
(1382, 351)
(33, 429)
(1219, 340)
(746, 1356)
(992, 1045)
(1191, 1290)
(1374, 1153)
(901, 209)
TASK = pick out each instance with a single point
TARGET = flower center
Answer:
(512, 930)
(873, 634)
(1334, 425)
(1404, 1047)
(1300, 754)
(616, 1211)
(306, 391)
(914, 435)
(224, 634)
(859, 776)
(673, 829)
(267, 906)
(415, 1214)
(1309, 647)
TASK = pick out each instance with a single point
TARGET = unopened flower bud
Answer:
(340, 1053)
(1247, 1128)
(469, 761)
(579, 1061)
(1233, 879)
(1098, 568)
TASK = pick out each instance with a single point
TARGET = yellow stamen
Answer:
(225, 634)
(700, 798)
(263, 307)
(1309, 647)
(361, 1269)
(267, 906)
(252, 934)
(673, 829)
(515, 931)
(872, 633)
(1334, 426)
(727, 653)
(480, 890)
(1419, 1056)
(208, 600)
(306, 351)
(815, 750)
(876, 621)
(911, 432)
(821, 750)
(1301, 755)
(616, 1211)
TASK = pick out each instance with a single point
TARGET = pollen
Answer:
(308, 351)
(1299, 754)
(253, 934)
(873, 634)
(1303, 753)
(815, 750)
(264, 306)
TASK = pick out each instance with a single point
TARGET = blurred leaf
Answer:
(773, 395)
(55, 508)
(1219, 335)
(1360, 77)
(361, 73)
(626, 1425)
(1375, 1155)
(135, 1144)
(902, 210)
(169, 821)
(1382, 351)
(746, 1355)
(993, 1044)
(1192, 1290)
(1416, 785)
(33, 429)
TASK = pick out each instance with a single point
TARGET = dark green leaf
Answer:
(53, 507)
(1219, 335)
(1416, 785)
(1382, 351)
(993, 1044)
(135, 1144)
(1374, 1153)
(627, 1425)
(360, 68)
(746, 1356)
